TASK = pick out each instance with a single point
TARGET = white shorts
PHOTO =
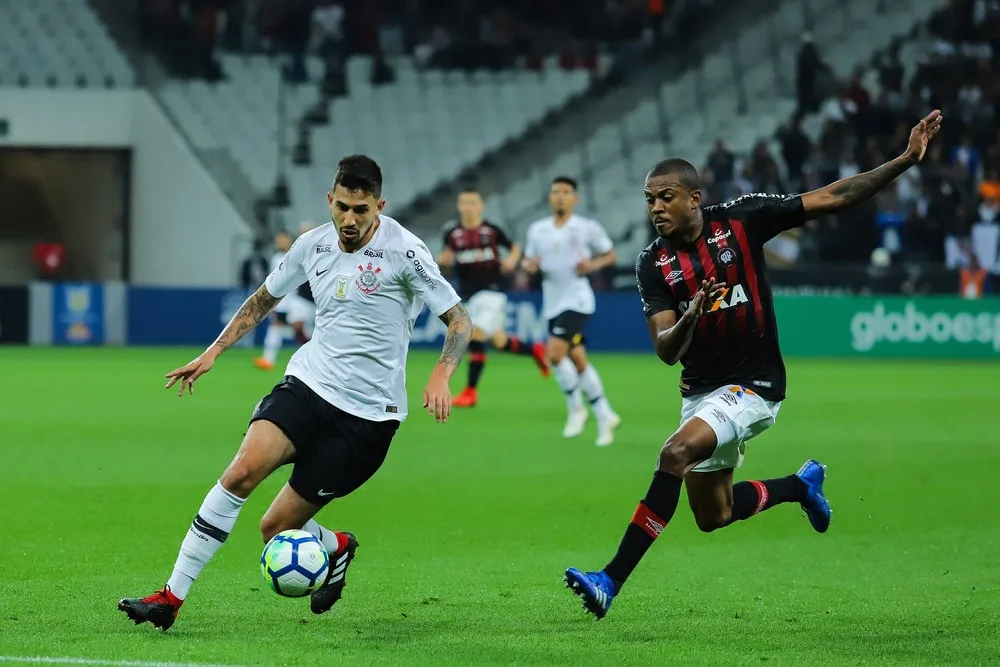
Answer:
(304, 311)
(736, 414)
(488, 311)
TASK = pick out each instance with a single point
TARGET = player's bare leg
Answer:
(692, 443)
(264, 449)
(607, 420)
(514, 345)
(290, 511)
(477, 361)
(716, 502)
(557, 350)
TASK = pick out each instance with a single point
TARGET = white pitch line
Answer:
(43, 660)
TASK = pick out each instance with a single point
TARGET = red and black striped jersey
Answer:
(736, 342)
(477, 257)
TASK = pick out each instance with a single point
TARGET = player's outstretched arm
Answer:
(437, 396)
(850, 191)
(672, 336)
(251, 313)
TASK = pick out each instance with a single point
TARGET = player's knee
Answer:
(713, 519)
(239, 479)
(676, 455)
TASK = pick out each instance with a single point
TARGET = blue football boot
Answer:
(813, 474)
(595, 589)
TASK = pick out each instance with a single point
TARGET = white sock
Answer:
(324, 535)
(569, 382)
(208, 531)
(591, 384)
(273, 339)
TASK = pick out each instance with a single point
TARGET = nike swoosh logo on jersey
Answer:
(319, 273)
(321, 493)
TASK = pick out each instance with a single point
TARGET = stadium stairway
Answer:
(630, 136)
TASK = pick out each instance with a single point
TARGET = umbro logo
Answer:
(319, 273)
(674, 277)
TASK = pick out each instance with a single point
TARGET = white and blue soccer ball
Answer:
(294, 563)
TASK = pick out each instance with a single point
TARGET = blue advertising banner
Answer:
(618, 324)
(77, 314)
(179, 316)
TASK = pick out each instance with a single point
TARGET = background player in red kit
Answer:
(708, 305)
(473, 247)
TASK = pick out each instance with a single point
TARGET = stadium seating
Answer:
(424, 128)
(58, 43)
(610, 189)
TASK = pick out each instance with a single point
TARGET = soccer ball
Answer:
(294, 563)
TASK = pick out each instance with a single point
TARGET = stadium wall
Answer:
(811, 326)
(183, 230)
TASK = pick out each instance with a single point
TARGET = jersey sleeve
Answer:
(766, 216)
(502, 239)
(653, 291)
(290, 272)
(530, 244)
(598, 240)
(424, 278)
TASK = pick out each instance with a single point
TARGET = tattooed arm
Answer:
(851, 191)
(456, 340)
(437, 395)
(251, 313)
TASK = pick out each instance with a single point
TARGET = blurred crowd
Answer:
(947, 209)
(459, 34)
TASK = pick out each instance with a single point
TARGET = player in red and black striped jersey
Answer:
(708, 304)
(473, 247)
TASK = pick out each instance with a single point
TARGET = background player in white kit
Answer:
(566, 248)
(343, 396)
(294, 316)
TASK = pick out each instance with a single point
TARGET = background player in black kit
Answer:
(472, 247)
(708, 304)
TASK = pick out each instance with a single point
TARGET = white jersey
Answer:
(276, 259)
(366, 303)
(559, 250)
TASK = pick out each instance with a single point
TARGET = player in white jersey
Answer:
(343, 396)
(293, 317)
(565, 248)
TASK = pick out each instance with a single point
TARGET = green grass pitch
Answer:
(467, 529)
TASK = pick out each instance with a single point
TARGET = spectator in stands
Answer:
(49, 258)
(795, 150)
(721, 171)
(811, 76)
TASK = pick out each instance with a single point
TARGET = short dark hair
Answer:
(470, 190)
(359, 172)
(682, 169)
(565, 179)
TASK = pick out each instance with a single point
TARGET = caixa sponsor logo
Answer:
(731, 296)
(868, 329)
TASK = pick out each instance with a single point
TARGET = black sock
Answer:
(515, 346)
(753, 497)
(477, 359)
(649, 520)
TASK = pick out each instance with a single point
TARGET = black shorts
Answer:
(568, 326)
(335, 452)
